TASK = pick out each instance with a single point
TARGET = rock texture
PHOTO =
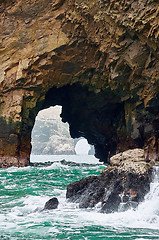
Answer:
(51, 204)
(98, 59)
(118, 187)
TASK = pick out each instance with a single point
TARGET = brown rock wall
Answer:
(110, 48)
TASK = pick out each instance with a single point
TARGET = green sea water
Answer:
(24, 191)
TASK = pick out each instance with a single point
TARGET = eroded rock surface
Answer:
(98, 59)
(119, 186)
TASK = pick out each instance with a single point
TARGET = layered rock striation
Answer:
(97, 59)
(120, 186)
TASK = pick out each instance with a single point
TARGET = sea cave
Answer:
(96, 64)
(99, 61)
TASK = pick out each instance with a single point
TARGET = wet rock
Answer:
(124, 184)
(51, 204)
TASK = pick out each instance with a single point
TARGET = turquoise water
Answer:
(24, 191)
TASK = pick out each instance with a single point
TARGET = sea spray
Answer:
(23, 190)
(150, 206)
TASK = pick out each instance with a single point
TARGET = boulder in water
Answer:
(125, 182)
(51, 204)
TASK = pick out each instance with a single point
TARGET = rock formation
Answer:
(121, 185)
(50, 135)
(98, 59)
(51, 204)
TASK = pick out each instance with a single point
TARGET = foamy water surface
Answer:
(24, 192)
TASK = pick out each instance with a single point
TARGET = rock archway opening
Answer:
(89, 117)
(100, 117)
(82, 147)
(50, 136)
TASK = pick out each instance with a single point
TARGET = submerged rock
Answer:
(51, 204)
(121, 185)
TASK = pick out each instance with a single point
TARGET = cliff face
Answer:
(98, 59)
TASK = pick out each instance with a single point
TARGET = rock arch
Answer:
(98, 59)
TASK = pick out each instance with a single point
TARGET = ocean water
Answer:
(24, 191)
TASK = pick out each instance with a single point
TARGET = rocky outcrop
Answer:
(97, 59)
(51, 204)
(50, 135)
(121, 185)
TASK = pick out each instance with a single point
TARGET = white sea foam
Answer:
(90, 159)
(28, 212)
(145, 216)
